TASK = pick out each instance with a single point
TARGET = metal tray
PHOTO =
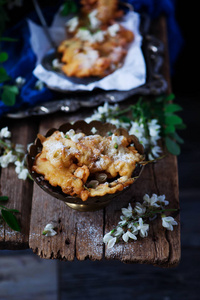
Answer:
(153, 50)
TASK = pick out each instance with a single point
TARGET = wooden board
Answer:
(80, 234)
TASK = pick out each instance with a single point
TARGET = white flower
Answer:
(72, 24)
(49, 230)
(21, 170)
(5, 133)
(117, 140)
(154, 152)
(168, 222)
(123, 221)
(117, 123)
(103, 109)
(119, 231)
(20, 81)
(94, 21)
(109, 240)
(151, 201)
(161, 199)
(137, 129)
(113, 29)
(139, 208)
(128, 235)
(143, 228)
(127, 212)
(154, 128)
(89, 119)
(19, 148)
(7, 158)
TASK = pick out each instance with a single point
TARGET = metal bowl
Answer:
(92, 203)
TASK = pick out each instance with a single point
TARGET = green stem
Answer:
(5, 145)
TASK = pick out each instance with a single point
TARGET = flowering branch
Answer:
(12, 153)
(148, 121)
(135, 220)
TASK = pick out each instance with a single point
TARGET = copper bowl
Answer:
(92, 203)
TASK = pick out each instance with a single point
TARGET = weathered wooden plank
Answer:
(142, 250)
(80, 234)
(18, 191)
(160, 247)
(46, 209)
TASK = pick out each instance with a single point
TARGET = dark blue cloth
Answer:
(22, 60)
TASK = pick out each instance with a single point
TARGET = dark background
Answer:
(114, 280)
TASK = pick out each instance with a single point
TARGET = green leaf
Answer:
(3, 57)
(178, 138)
(3, 75)
(125, 119)
(9, 95)
(69, 7)
(170, 108)
(181, 126)
(10, 219)
(173, 120)
(159, 99)
(172, 146)
(170, 97)
(4, 198)
(169, 129)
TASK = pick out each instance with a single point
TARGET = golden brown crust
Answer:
(97, 43)
(72, 160)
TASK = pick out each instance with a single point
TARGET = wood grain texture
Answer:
(160, 247)
(18, 191)
(80, 234)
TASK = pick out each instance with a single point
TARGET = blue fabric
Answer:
(22, 60)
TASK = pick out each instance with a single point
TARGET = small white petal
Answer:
(50, 233)
(125, 237)
(112, 242)
(131, 235)
(107, 237)
(48, 227)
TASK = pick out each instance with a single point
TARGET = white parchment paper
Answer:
(131, 75)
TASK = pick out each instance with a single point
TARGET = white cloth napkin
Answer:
(131, 75)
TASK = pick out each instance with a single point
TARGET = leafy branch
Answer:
(164, 109)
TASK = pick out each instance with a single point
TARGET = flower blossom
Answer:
(6, 159)
(151, 201)
(137, 129)
(49, 230)
(21, 170)
(127, 212)
(5, 133)
(168, 222)
(139, 209)
(109, 240)
(128, 235)
(154, 129)
(133, 220)
(143, 228)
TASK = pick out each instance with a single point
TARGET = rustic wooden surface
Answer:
(80, 234)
